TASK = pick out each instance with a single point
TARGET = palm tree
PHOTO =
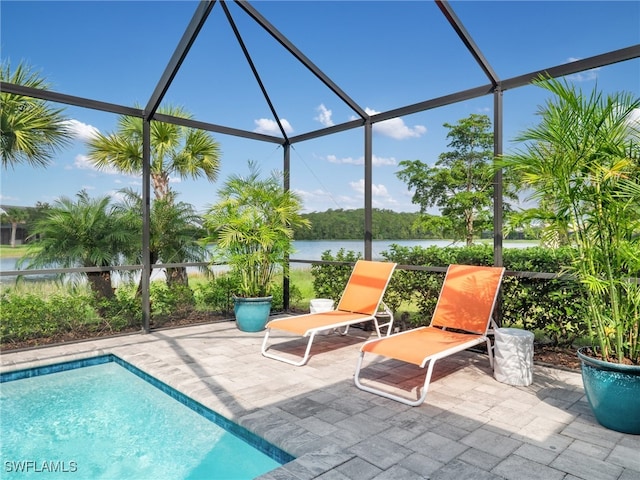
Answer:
(175, 150)
(31, 130)
(15, 216)
(252, 226)
(167, 215)
(582, 162)
(85, 233)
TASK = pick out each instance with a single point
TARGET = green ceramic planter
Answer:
(252, 314)
(613, 391)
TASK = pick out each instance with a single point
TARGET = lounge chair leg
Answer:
(490, 352)
(391, 396)
(283, 359)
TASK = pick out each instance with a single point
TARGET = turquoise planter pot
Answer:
(252, 314)
(613, 391)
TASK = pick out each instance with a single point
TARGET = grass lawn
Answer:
(8, 252)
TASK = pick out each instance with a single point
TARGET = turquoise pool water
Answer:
(106, 420)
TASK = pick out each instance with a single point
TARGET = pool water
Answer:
(105, 421)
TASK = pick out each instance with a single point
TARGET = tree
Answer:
(85, 233)
(31, 131)
(15, 216)
(175, 150)
(461, 181)
(167, 215)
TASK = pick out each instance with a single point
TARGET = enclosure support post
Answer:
(497, 179)
(368, 189)
(498, 210)
(146, 225)
(287, 187)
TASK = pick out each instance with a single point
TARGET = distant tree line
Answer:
(349, 225)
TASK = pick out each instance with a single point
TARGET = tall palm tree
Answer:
(175, 150)
(31, 130)
(85, 233)
(15, 216)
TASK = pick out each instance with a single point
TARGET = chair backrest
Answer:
(366, 287)
(467, 298)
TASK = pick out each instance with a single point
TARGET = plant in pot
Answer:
(252, 227)
(582, 163)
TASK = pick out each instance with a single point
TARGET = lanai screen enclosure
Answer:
(236, 14)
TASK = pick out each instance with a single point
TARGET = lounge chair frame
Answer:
(346, 314)
(460, 341)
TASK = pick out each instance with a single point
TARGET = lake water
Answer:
(313, 249)
(304, 250)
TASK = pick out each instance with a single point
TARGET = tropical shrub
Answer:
(552, 306)
(329, 281)
(217, 294)
(582, 163)
(252, 226)
(28, 316)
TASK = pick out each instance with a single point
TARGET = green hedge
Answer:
(554, 307)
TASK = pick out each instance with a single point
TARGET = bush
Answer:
(217, 294)
(555, 307)
(122, 311)
(277, 304)
(329, 281)
(166, 299)
(29, 316)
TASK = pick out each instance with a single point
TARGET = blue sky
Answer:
(382, 54)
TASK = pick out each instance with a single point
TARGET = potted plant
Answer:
(582, 163)
(252, 228)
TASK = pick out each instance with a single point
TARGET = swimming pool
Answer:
(104, 418)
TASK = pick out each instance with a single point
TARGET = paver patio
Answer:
(470, 427)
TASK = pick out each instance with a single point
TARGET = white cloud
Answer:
(324, 116)
(82, 162)
(270, 127)
(377, 161)
(377, 190)
(381, 198)
(586, 76)
(396, 128)
(81, 131)
(319, 200)
(88, 187)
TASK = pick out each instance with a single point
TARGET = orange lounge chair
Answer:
(360, 302)
(460, 320)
